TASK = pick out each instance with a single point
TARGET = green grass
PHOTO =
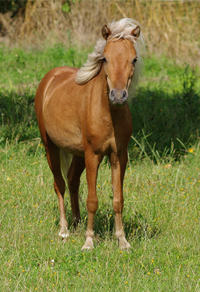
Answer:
(161, 221)
(162, 120)
(161, 188)
(165, 73)
(27, 68)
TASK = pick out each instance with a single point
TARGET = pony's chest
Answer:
(101, 143)
(104, 137)
(98, 133)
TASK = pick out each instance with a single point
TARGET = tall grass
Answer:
(170, 27)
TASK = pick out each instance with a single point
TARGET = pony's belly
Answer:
(62, 125)
(66, 136)
(68, 142)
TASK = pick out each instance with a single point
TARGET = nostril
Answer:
(124, 94)
(112, 94)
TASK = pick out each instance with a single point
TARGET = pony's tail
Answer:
(65, 162)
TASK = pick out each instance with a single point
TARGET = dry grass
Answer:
(171, 28)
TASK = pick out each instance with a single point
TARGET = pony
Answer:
(83, 115)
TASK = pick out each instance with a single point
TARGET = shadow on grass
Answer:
(161, 120)
(17, 113)
(104, 224)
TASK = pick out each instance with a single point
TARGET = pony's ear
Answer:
(136, 32)
(106, 32)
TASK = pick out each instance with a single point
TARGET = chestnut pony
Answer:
(83, 115)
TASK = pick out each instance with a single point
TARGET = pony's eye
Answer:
(104, 60)
(134, 61)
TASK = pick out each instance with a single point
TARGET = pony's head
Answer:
(119, 58)
(118, 54)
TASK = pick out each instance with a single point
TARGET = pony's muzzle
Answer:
(118, 97)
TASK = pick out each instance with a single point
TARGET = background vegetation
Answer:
(169, 27)
(162, 180)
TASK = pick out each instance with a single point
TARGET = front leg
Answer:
(118, 165)
(92, 162)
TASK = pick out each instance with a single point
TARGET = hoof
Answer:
(64, 233)
(88, 244)
(123, 244)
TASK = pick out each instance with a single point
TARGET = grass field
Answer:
(161, 189)
(161, 218)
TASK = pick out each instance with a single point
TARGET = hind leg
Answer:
(76, 168)
(53, 158)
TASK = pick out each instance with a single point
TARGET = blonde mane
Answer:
(120, 30)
